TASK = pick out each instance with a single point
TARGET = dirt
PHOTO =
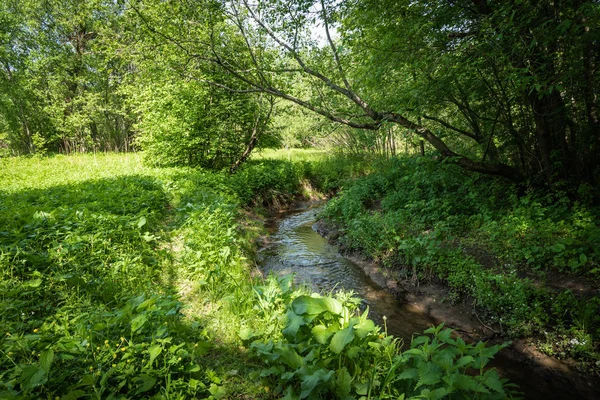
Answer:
(539, 376)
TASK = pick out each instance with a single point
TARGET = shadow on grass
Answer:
(84, 301)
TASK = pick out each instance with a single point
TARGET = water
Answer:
(297, 248)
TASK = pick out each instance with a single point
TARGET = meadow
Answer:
(122, 281)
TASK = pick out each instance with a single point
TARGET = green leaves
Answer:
(138, 322)
(316, 305)
(46, 358)
(322, 333)
(145, 382)
(343, 383)
(141, 222)
(290, 357)
(293, 323)
(341, 339)
(364, 327)
(32, 376)
(326, 352)
(310, 382)
(154, 351)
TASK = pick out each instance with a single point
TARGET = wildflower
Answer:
(123, 348)
(35, 330)
(114, 365)
(122, 339)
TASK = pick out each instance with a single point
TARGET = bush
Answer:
(415, 213)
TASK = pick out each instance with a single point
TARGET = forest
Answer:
(146, 146)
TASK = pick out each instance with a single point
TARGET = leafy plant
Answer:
(327, 351)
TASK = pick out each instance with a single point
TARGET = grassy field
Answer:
(96, 254)
(123, 281)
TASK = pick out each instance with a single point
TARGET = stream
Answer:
(296, 248)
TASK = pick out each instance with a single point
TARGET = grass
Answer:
(119, 279)
(296, 155)
(91, 285)
(123, 281)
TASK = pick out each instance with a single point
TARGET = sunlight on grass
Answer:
(20, 173)
(122, 281)
(291, 154)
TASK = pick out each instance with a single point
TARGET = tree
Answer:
(183, 120)
(61, 70)
(485, 84)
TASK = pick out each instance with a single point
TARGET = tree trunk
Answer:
(256, 131)
(550, 130)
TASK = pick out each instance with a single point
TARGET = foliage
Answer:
(188, 123)
(120, 280)
(329, 351)
(476, 234)
(61, 70)
(506, 89)
(78, 261)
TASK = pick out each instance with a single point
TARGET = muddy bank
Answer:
(538, 375)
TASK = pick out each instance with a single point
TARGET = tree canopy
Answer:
(503, 88)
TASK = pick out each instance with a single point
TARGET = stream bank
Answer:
(294, 246)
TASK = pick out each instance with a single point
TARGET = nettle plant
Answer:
(327, 350)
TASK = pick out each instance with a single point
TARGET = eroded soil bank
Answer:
(409, 306)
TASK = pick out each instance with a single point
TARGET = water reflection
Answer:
(297, 248)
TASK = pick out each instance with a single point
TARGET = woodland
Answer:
(143, 143)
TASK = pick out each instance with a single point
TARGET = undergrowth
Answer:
(122, 281)
(486, 241)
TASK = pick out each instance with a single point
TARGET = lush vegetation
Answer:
(507, 89)
(487, 242)
(123, 278)
(120, 280)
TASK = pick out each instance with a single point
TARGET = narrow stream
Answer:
(296, 248)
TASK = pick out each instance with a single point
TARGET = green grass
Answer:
(291, 154)
(95, 256)
(123, 281)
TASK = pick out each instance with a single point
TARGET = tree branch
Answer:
(447, 125)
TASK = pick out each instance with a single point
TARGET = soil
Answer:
(538, 375)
